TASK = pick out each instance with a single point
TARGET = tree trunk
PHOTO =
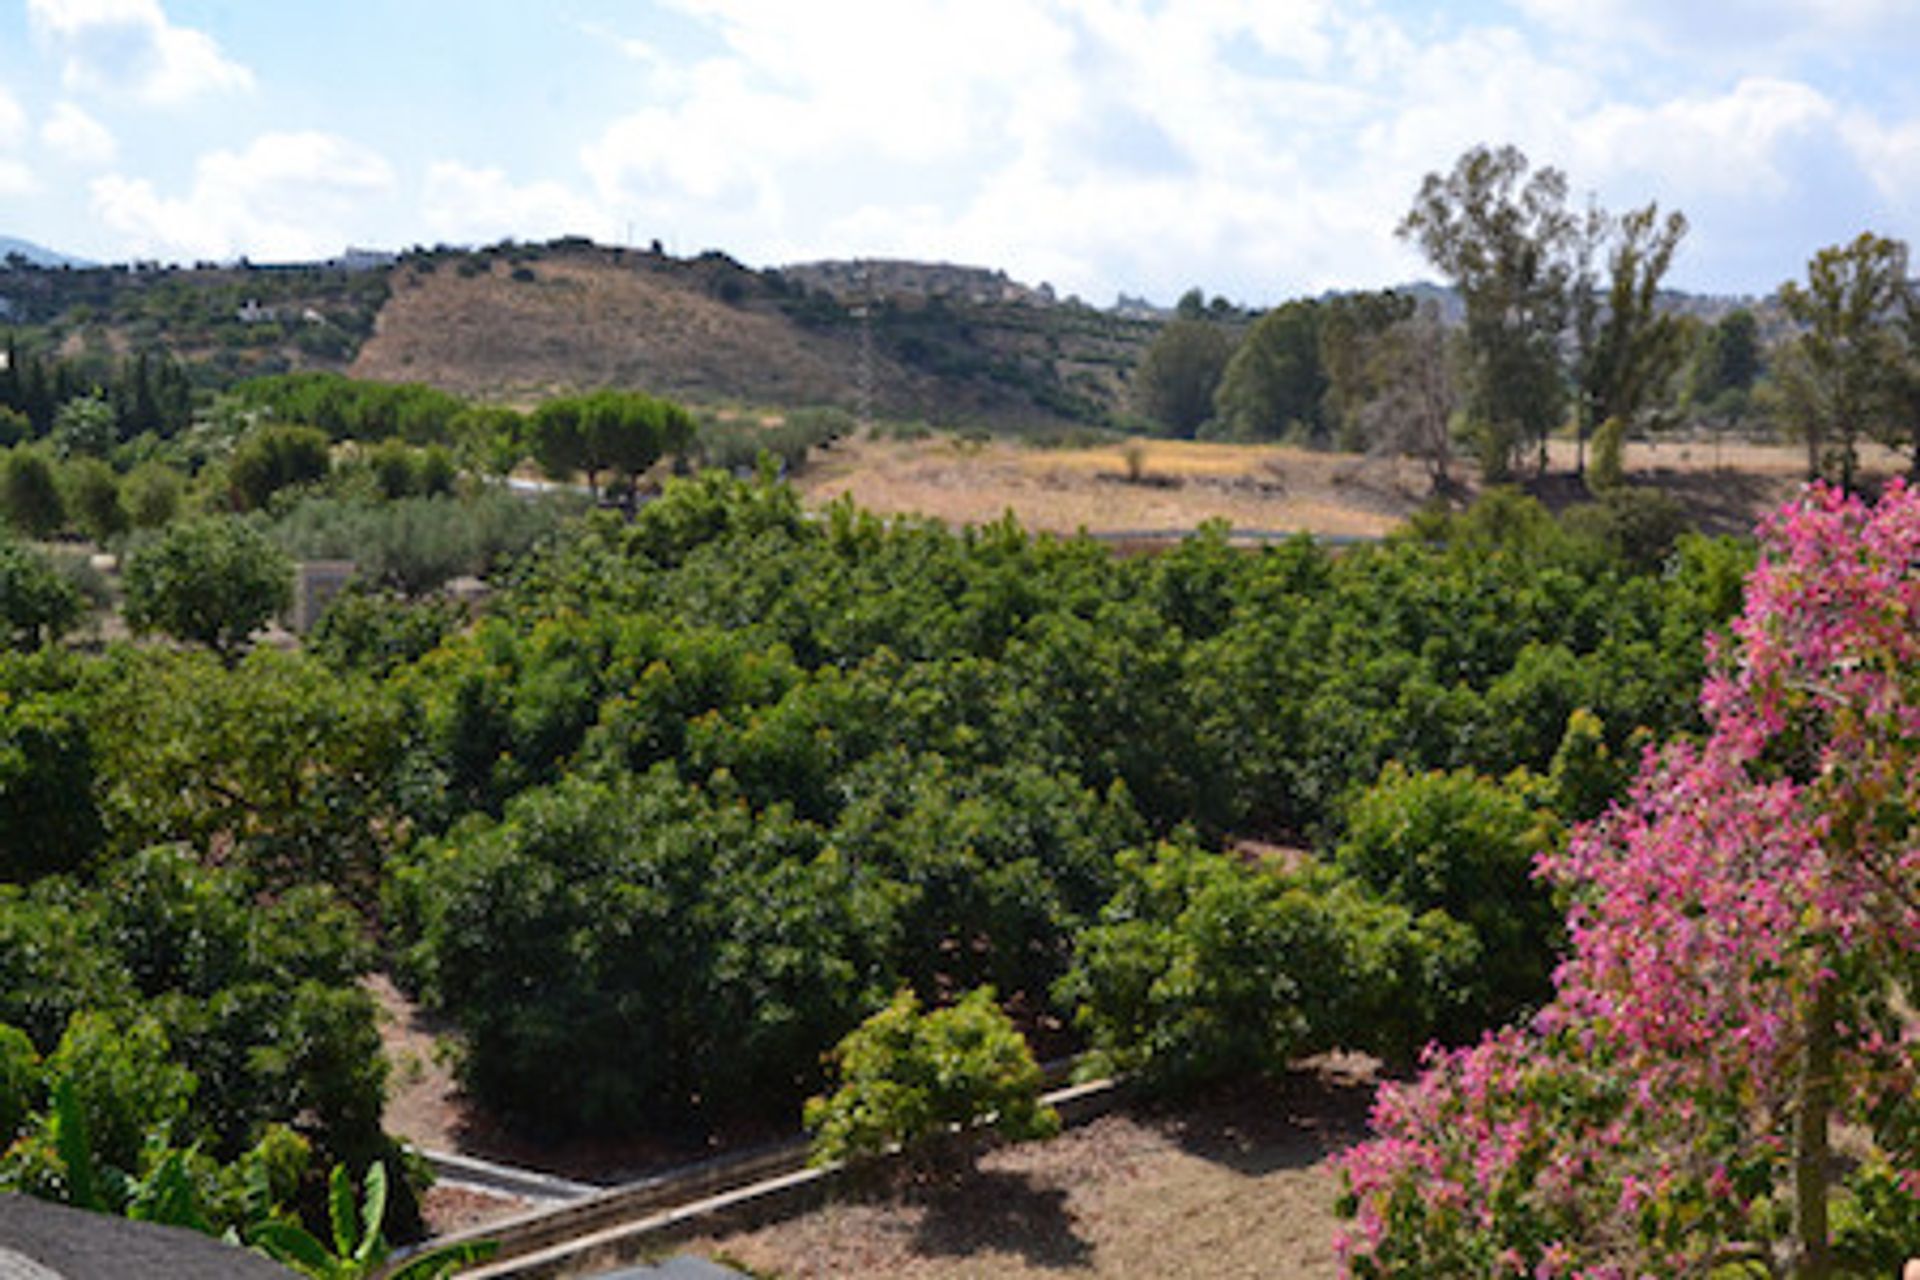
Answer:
(1811, 1155)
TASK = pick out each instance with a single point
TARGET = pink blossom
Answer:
(1740, 877)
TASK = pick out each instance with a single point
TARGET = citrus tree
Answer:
(214, 581)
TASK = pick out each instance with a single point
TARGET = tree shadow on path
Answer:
(1002, 1213)
(1261, 1127)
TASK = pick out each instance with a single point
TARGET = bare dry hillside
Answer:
(571, 322)
(517, 324)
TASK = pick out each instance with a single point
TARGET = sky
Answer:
(1256, 149)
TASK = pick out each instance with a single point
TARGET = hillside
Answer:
(234, 321)
(513, 322)
(518, 322)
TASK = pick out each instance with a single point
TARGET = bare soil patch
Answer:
(574, 323)
(1239, 1184)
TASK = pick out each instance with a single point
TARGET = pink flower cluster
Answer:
(1635, 1127)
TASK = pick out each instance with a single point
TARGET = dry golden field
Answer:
(1170, 485)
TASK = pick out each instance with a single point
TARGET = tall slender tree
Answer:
(1628, 350)
(1839, 378)
(1502, 233)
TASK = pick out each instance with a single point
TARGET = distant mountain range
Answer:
(37, 255)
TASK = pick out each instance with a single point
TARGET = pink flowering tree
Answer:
(1743, 975)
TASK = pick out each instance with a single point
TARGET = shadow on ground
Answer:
(1712, 501)
(1004, 1213)
(1262, 1127)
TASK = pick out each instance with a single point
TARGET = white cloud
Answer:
(287, 196)
(16, 179)
(465, 205)
(129, 47)
(13, 120)
(1737, 143)
(1730, 37)
(1254, 145)
(78, 137)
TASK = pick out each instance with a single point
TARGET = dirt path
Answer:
(1238, 1185)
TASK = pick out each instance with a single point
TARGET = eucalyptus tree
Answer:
(1840, 378)
(1502, 232)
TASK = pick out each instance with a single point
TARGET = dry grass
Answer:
(586, 323)
(1067, 490)
(1240, 1185)
(1723, 488)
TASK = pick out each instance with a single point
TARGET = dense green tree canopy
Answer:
(213, 580)
(1842, 376)
(1274, 383)
(1177, 378)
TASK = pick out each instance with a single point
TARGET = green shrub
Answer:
(92, 494)
(152, 494)
(125, 1079)
(1636, 528)
(38, 604)
(391, 464)
(1464, 845)
(269, 459)
(30, 495)
(1203, 968)
(924, 1081)
(214, 581)
(434, 472)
